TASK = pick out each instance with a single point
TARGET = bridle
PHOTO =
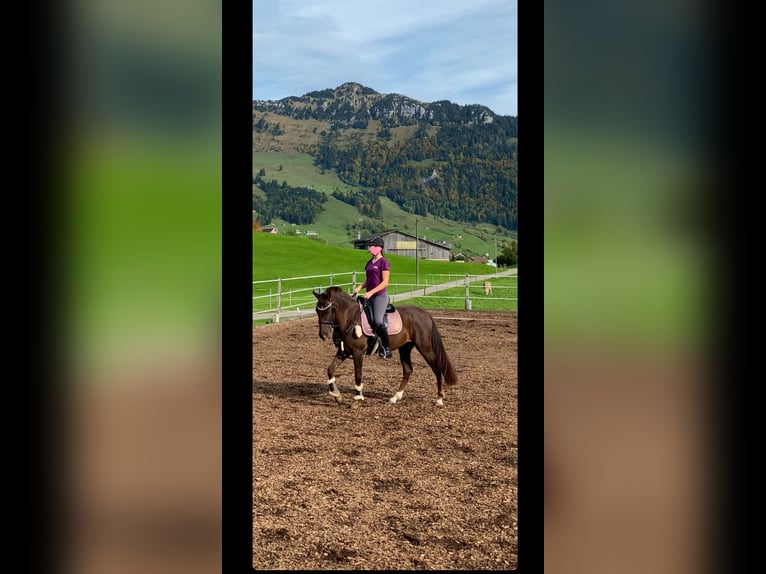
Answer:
(337, 336)
(331, 323)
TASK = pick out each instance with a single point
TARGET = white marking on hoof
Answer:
(397, 397)
(358, 387)
(358, 397)
(439, 402)
(341, 346)
(330, 381)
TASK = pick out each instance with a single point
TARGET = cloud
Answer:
(458, 51)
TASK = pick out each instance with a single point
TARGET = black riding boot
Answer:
(372, 343)
(385, 347)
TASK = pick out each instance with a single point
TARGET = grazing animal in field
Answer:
(339, 316)
(487, 288)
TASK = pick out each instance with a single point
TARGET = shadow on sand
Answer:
(313, 392)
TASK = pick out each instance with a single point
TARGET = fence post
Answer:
(330, 279)
(353, 280)
(279, 299)
(467, 294)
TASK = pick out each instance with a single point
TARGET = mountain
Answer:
(351, 104)
(450, 161)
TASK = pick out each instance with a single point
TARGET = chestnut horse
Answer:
(339, 315)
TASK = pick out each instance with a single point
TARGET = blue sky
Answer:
(463, 51)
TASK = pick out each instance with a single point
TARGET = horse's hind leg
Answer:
(430, 356)
(439, 388)
(406, 360)
(334, 392)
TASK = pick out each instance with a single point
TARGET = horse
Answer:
(487, 288)
(340, 317)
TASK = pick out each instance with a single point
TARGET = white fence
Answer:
(291, 297)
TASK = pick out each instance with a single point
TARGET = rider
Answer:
(378, 270)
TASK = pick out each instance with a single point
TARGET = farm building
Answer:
(269, 229)
(400, 243)
(481, 259)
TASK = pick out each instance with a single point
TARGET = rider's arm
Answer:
(360, 287)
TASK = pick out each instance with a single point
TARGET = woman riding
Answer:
(378, 270)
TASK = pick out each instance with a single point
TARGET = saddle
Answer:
(392, 319)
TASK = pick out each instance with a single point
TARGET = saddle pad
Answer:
(394, 323)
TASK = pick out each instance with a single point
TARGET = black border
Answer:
(237, 307)
(734, 245)
(35, 279)
(530, 316)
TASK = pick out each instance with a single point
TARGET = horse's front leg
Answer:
(334, 392)
(358, 360)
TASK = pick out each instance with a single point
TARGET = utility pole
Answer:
(417, 256)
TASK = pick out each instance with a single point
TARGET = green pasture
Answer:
(298, 170)
(276, 256)
(503, 290)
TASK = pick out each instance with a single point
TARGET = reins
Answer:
(332, 323)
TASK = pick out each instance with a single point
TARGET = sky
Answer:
(457, 50)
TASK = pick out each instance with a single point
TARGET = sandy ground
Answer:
(405, 486)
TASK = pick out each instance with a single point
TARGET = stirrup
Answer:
(385, 353)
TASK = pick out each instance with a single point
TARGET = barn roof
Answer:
(441, 244)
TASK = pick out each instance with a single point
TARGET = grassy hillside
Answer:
(298, 170)
(280, 256)
(304, 135)
(339, 224)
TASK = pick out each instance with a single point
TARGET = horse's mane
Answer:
(348, 305)
(337, 294)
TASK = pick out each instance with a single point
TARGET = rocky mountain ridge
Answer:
(352, 102)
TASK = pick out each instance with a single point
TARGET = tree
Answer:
(510, 255)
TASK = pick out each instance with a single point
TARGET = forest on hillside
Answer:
(460, 163)
(462, 173)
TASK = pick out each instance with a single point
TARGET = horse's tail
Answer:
(443, 362)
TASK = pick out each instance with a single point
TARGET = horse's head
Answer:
(326, 314)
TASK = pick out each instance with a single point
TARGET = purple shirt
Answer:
(374, 270)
